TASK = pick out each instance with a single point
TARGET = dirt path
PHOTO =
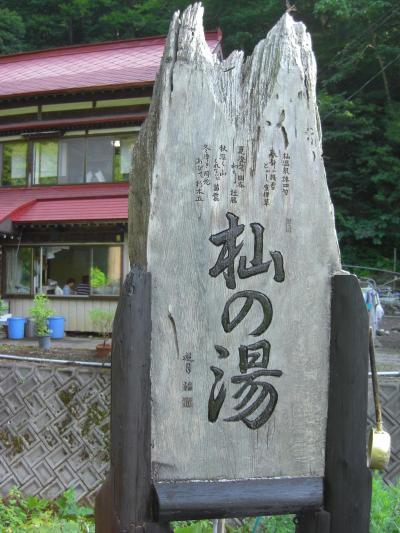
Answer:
(388, 345)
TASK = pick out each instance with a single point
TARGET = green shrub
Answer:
(97, 277)
(41, 311)
(3, 307)
(20, 514)
(102, 321)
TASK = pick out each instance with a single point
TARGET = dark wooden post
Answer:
(347, 478)
(347, 493)
(124, 503)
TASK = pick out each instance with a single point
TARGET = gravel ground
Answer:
(387, 348)
(54, 353)
(388, 345)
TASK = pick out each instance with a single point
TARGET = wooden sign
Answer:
(231, 213)
(240, 349)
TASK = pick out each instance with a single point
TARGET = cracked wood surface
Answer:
(238, 136)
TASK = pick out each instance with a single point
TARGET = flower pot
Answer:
(44, 342)
(103, 350)
(30, 328)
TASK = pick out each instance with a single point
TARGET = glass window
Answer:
(72, 271)
(105, 273)
(45, 157)
(64, 267)
(14, 166)
(19, 270)
(93, 159)
(123, 157)
(99, 159)
(71, 167)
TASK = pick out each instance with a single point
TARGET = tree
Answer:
(12, 32)
(358, 55)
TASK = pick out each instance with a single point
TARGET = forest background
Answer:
(357, 46)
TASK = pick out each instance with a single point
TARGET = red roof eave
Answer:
(65, 203)
(68, 122)
(74, 210)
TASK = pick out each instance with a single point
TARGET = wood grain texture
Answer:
(347, 478)
(313, 522)
(125, 501)
(224, 499)
(233, 116)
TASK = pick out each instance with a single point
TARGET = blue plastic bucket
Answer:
(16, 326)
(56, 326)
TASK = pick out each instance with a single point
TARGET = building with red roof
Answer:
(69, 118)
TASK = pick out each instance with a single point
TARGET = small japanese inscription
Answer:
(187, 384)
(219, 168)
(270, 177)
(187, 401)
(256, 396)
(285, 173)
(212, 169)
(199, 192)
(206, 165)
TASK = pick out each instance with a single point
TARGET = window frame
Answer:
(30, 159)
(27, 166)
(74, 297)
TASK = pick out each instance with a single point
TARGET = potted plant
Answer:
(3, 318)
(3, 307)
(102, 321)
(40, 312)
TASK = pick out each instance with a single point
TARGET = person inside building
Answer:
(68, 288)
(83, 287)
(54, 288)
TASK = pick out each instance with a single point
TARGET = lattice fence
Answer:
(54, 428)
(390, 399)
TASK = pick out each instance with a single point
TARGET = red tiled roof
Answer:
(66, 203)
(115, 64)
(67, 210)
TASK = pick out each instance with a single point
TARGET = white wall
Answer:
(75, 310)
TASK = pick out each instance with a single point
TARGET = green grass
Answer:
(63, 515)
(385, 511)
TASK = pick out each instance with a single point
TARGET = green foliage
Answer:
(97, 277)
(102, 321)
(41, 311)
(3, 307)
(385, 515)
(19, 514)
(12, 32)
(68, 507)
(193, 526)
(357, 48)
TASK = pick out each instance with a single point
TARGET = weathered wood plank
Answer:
(237, 138)
(125, 502)
(225, 499)
(347, 478)
(313, 522)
